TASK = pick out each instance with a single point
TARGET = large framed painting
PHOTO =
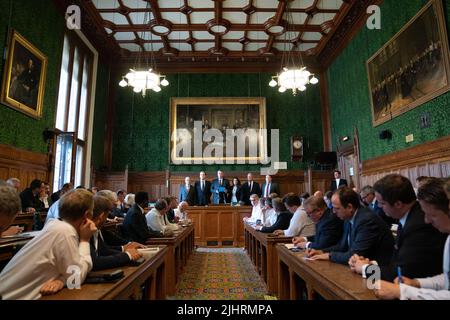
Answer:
(24, 76)
(218, 131)
(412, 68)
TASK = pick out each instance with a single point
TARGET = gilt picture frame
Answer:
(412, 68)
(24, 76)
(199, 125)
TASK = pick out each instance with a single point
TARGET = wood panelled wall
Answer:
(22, 164)
(428, 159)
(159, 184)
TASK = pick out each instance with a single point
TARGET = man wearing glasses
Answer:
(329, 227)
(367, 195)
(257, 215)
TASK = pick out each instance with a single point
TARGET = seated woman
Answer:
(434, 198)
(269, 214)
(283, 217)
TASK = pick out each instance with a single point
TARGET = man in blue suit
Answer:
(365, 233)
(202, 191)
(329, 227)
(220, 188)
(187, 192)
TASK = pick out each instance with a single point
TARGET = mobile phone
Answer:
(295, 249)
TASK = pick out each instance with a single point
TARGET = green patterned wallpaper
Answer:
(141, 129)
(101, 102)
(43, 26)
(349, 95)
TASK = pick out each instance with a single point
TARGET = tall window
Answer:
(72, 112)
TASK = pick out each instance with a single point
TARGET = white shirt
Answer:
(300, 225)
(337, 183)
(53, 212)
(433, 288)
(156, 221)
(46, 257)
(234, 199)
(45, 201)
(256, 214)
(270, 217)
(179, 214)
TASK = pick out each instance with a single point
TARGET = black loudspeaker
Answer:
(385, 134)
(48, 134)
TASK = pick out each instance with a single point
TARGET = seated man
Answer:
(419, 246)
(156, 219)
(364, 232)
(30, 197)
(300, 225)
(329, 227)
(44, 264)
(9, 207)
(135, 225)
(105, 256)
(367, 195)
(256, 211)
(181, 212)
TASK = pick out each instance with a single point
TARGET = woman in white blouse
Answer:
(434, 198)
(269, 214)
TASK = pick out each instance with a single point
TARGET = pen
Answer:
(399, 275)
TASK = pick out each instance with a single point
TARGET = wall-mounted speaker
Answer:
(385, 134)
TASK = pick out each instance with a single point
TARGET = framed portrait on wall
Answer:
(24, 76)
(218, 130)
(412, 68)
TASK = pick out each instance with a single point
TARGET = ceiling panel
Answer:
(125, 24)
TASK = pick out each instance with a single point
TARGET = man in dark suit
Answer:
(30, 197)
(105, 256)
(187, 192)
(135, 225)
(337, 182)
(220, 188)
(419, 246)
(58, 194)
(202, 191)
(248, 188)
(329, 227)
(368, 198)
(270, 187)
(364, 232)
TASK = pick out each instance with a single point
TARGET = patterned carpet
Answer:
(220, 274)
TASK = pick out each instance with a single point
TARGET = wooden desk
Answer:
(219, 225)
(10, 245)
(261, 249)
(26, 220)
(299, 279)
(150, 273)
(179, 249)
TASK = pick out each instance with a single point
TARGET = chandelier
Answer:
(144, 78)
(293, 75)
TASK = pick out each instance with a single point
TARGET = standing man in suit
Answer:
(337, 182)
(329, 227)
(367, 195)
(364, 233)
(220, 188)
(419, 246)
(187, 192)
(202, 191)
(270, 187)
(248, 188)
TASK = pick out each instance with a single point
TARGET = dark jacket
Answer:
(188, 196)
(202, 198)
(220, 197)
(238, 193)
(418, 250)
(106, 257)
(246, 192)
(342, 182)
(282, 223)
(329, 231)
(369, 237)
(135, 226)
(274, 188)
(29, 200)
